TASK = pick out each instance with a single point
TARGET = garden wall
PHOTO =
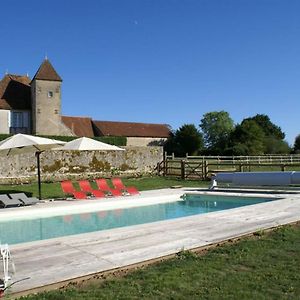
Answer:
(60, 165)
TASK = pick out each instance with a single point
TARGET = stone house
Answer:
(33, 106)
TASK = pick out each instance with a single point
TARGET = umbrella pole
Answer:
(37, 154)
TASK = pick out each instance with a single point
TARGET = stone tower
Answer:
(46, 102)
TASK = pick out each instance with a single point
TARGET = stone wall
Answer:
(60, 165)
(4, 121)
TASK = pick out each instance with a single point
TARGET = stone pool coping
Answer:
(61, 259)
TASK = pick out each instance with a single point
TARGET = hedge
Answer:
(113, 140)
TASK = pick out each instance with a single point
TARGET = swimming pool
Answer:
(20, 231)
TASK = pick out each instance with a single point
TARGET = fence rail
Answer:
(201, 167)
(257, 158)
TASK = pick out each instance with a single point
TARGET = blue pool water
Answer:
(20, 231)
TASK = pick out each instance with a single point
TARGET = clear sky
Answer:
(162, 61)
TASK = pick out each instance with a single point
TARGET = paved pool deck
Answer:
(58, 260)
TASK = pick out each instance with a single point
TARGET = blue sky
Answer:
(164, 61)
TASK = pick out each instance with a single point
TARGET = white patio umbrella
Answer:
(24, 143)
(88, 144)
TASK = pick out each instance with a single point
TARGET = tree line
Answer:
(218, 135)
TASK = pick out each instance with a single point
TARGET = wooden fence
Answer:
(201, 167)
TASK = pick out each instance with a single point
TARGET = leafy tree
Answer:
(247, 139)
(274, 137)
(187, 139)
(269, 128)
(297, 144)
(216, 127)
(276, 146)
(170, 146)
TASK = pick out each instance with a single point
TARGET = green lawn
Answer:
(53, 190)
(265, 266)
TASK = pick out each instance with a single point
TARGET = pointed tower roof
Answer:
(46, 72)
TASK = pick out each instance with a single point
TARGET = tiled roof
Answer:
(46, 72)
(15, 92)
(79, 125)
(129, 129)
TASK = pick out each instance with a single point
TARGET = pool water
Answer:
(20, 231)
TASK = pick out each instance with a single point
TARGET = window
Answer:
(19, 122)
(50, 94)
(17, 119)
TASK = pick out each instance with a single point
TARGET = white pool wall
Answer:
(84, 206)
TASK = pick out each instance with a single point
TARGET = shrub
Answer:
(113, 140)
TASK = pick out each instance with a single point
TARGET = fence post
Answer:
(182, 162)
(165, 167)
(241, 167)
(205, 169)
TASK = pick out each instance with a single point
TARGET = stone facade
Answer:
(46, 108)
(4, 124)
(60, 165)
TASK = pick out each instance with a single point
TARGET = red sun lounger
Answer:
(79, 195)
(118, 184)
(86, 187)
(68, 188)
(103, 186)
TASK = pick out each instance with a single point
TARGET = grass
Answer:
(265, 266)
(53, 190)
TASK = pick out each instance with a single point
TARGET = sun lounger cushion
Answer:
(118, 184)
(103, 186)
(86, 187)
(5, 201)
(79, 195)
(24, 199)
(67, 187)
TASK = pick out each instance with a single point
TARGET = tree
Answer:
(247, 139)
(170, 146)
(269, 128)
(276, 146)
(187, 139)
(297, 144)
(216, 127)
(274, 137)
